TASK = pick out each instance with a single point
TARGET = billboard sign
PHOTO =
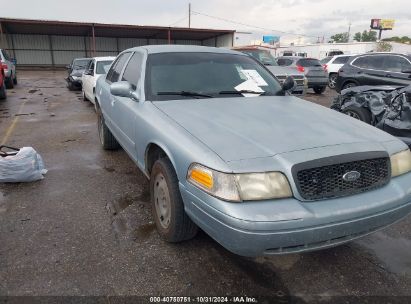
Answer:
(382, 24)
(271, 39)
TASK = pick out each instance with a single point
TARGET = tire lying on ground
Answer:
(362, 114)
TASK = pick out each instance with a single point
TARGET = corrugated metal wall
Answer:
(49, 50)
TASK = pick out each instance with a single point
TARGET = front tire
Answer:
(84, 96)
(319, 90)
(358, 113)
(172, 222)
(15, 79)
(349, 85)
(107, 140)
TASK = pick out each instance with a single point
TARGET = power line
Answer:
(249, 25)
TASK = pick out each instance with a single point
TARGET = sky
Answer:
(301, 20)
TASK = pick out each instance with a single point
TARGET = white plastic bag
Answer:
(26, 166)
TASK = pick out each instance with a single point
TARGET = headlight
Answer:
(239, 187)
(400, 163)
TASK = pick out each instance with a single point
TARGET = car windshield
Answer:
(263, 56)
(103, 66)
(81, 63)
(205, 75)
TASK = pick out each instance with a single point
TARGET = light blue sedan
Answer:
(227, 149)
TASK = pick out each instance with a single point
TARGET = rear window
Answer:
(284, 61)
(341, 60)
(326, 60)
(309, 62)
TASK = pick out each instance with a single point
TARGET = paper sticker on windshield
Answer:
(253, 75)
(249, 85)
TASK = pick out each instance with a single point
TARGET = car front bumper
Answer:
(288, 225)
(76, 81)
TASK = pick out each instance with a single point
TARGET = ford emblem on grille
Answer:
(351, 176)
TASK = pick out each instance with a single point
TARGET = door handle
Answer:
(112, 101)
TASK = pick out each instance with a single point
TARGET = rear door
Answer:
(87, 79)
(394, 67)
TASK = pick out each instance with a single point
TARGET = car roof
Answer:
(155, 49)
(81, 59)
(106, 58)
(381, 53)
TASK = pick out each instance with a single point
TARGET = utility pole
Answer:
(349, 30)
(189, 15)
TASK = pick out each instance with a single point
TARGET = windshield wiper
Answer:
(185, 93)
(242, 92)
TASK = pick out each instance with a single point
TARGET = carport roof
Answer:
(48, 27)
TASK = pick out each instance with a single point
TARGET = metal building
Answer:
(56, 43)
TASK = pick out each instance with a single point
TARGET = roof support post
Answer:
(94, 40)
(51, 51)
(3, 46)
(169, 36)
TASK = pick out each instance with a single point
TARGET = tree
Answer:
(340, 38)
(365, 36)
(403, 39)
(383, 46)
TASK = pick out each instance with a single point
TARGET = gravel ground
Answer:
(87, 228)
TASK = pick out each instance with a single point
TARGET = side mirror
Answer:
(289, 84)
(88, 72)
(123, 89)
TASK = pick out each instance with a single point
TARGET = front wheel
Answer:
(319, 90)
(172, 222)
(84, 96)
(15, 79)
(107, 140)
(362, 114)
(332, 81)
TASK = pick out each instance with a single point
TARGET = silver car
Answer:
(228, 151)
(9, 67)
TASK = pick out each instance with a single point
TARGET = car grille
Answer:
(299, 79)
(327, 181)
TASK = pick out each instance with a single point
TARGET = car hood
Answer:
(283, 70)
(245, 128)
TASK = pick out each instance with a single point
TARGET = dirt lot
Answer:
(87, 229)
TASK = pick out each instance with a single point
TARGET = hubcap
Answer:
(162, 201)
(332, 81)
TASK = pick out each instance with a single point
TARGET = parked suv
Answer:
(312, 68)
(331, 65)
(75, 72)
(265, 57)
(375, 69)
(226, 150)
(9, 67)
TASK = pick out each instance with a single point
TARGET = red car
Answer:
(3, 93)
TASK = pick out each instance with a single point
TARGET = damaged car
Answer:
(75, 72)
(385, 107)
(227, 150)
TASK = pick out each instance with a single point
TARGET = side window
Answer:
(341, 60)
(132, 73)
(90, 67)
(369, 62)
(115, 70)
(396, 63)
